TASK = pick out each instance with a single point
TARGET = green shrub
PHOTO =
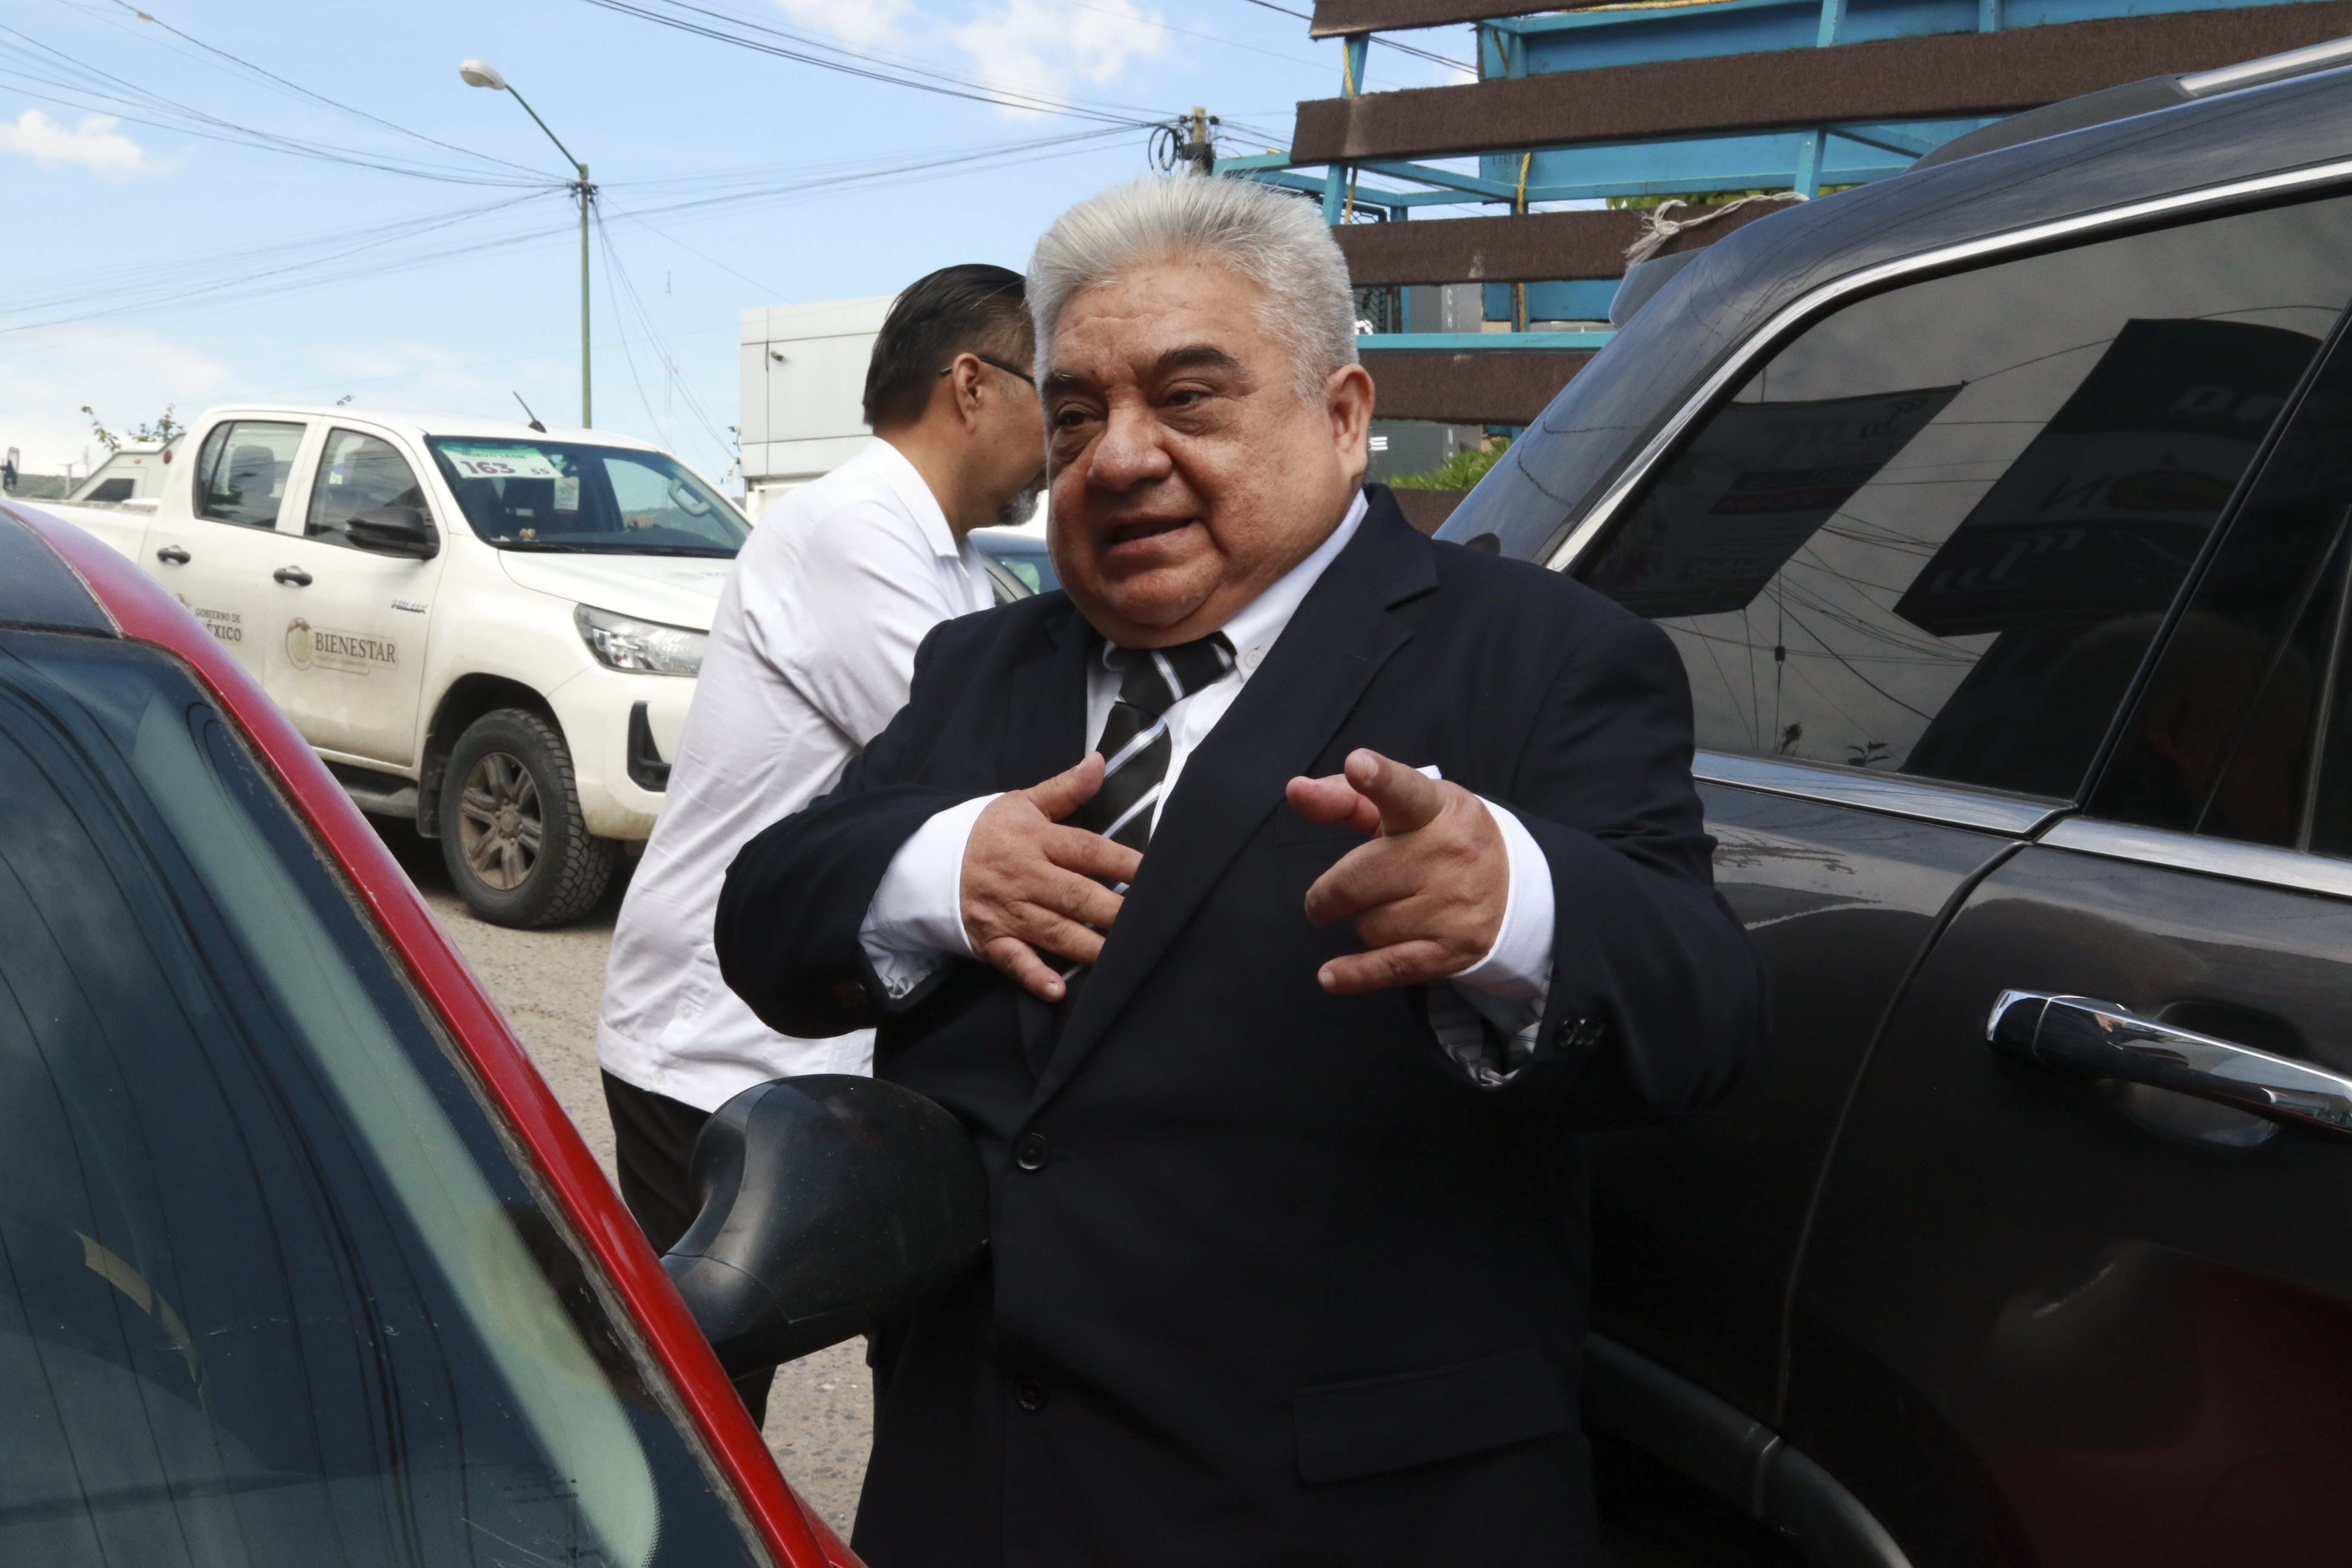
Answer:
(1458, 472)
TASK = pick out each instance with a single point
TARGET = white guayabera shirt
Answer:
(809, 658)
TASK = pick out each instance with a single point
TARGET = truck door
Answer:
(351, 661)
(217, 555)
(2069, 1301)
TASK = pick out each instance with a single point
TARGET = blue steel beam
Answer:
(1577, 300)
(1683, 166)
(1856, 155)
(1579, 40)
(1457, 342)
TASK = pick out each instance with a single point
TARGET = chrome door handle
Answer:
(2081, 1038)
(173, 553)
(294, 574)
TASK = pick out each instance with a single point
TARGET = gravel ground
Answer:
(548, 983)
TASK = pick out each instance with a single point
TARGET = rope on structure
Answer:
(1658, 227)
(1519, 206)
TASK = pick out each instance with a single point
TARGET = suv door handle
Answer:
(294, 574)
(173, 553)
(2081, 1038)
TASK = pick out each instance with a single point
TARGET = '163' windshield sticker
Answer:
(501, 462)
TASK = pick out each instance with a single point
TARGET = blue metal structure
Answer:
(1805, 160)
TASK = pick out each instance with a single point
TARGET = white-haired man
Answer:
(1274, 1097)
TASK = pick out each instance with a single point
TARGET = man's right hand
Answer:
(1030, 886)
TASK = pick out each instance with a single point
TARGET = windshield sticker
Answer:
(501, 462)
(318, 647)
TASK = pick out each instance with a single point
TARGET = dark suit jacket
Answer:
(1285, 1287)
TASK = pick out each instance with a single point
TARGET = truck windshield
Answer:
(566, 496)
(272, 1287)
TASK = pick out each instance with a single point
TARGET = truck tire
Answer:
(511, 833)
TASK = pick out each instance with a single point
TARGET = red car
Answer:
(299, 1260)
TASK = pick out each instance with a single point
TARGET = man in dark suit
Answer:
(1362, 869)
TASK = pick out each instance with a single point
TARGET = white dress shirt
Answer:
(916, 922)
(809, 658)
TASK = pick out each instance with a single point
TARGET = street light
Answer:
(479, 73)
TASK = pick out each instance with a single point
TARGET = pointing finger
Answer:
(1406, 798)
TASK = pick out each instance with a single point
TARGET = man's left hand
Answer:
(1428, 892)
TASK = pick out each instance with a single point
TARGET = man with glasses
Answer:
(810, 655)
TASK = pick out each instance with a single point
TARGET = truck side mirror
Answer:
(394, 531)
(828, 1202)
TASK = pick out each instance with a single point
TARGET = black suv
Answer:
(2003, 514)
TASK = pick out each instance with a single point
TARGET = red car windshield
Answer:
(272, 1287)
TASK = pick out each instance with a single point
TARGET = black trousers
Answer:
(653, 1137)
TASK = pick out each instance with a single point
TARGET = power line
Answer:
(619, 283)
(1002, 92)
(1385, 43)
(317, 97)
(139, 105)
(267, 280)
(946, 84)
(225, 275)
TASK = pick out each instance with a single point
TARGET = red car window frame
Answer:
(791, 1530)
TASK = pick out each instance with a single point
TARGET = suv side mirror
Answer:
(828, 1202)
(394, 531)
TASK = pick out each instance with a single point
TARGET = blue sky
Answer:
(183, 230)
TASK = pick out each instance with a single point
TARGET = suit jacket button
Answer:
(1029, 1394)
(1031, 1153)
(849, 993)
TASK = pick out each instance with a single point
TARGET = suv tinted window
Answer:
(2221, 740)
(1936, 532)
(271, 1290)
(242, 471)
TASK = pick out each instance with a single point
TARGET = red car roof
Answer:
(145, 613)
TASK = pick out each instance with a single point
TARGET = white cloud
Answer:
(94, 143)
(128, 374)
(863, 23)
(1045, 47)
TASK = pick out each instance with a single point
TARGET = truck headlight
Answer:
(643, 648)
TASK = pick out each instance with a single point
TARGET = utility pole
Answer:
(475, 73)
(1200, 152)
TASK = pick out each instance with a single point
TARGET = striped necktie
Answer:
(1135, 744)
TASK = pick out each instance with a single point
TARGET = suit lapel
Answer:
(1293, 704)
(1044, 732)
(1045, 706)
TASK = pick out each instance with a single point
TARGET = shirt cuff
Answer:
(916, 922)
(1518, 968)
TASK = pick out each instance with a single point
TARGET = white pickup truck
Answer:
(492, 628)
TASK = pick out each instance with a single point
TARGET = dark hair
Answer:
(971, 309)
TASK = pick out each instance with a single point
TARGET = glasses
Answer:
(1007, 369)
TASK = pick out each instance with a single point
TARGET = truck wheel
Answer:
(511, 832)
